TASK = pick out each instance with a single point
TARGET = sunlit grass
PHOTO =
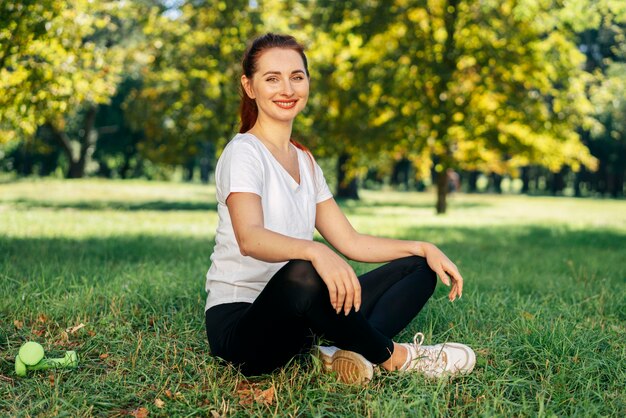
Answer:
(544, 305)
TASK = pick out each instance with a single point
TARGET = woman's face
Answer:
(280, 85)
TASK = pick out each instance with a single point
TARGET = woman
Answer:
(271, 288)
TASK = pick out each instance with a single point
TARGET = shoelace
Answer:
(427, 358)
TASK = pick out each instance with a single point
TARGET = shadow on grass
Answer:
(155, 205)
(501, 251)
(350, 204)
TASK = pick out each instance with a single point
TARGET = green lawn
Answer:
(544, 306)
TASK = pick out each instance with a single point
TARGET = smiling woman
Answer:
(271, 288)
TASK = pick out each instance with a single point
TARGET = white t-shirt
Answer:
(246, 165)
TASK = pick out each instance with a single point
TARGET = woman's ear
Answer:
(245, 83)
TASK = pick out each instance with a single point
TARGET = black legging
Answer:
(295, 305)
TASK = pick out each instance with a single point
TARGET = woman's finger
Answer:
(443, 276)
(458, 279)
(357, 292)
(341, 295)
(332, 292)
(349, 302)
(452, 293)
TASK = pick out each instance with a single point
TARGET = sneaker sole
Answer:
(351, 367)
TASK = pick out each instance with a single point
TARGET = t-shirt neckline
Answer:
(294, 183)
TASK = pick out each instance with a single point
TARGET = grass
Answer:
(544, 306)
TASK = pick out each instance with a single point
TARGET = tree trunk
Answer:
(557, 183)
(472, 181)
(496, 180)
(525, 179)
(442, 192)
(206, 166)
(401, 173)
(86, 144)
(345, 189)
(189, 168)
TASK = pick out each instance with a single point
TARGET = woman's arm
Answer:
(254, 240)
(337, 230)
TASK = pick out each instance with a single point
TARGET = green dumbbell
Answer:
(31, 357)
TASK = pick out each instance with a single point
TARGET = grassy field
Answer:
(115, 271)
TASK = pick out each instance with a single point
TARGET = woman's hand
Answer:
(445, 269)
(343, 285)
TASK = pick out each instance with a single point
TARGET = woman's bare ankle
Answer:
(397, 359)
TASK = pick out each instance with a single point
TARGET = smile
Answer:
(287, 104)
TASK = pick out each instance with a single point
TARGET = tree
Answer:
(342, 119)
(488, 85)
(59, 61)
(187, 102)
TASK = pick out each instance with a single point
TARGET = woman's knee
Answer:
(303, 278)
(428, 277)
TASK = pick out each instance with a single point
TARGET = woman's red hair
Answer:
(248, 110)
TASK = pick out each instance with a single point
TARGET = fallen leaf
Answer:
(267, 396)
(168, 393)
(39, 332)
(18, 324)
(6, 379)
(63, 338)
(75, 328)
(159, 403)
(51, 379)
(91, 333)
(42, 318)
(215, 414)
(140, 413)
(249, 394)
(104, 356)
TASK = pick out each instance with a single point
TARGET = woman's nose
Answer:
(287, 88)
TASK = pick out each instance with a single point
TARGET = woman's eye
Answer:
(272, 79)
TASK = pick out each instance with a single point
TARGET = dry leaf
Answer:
(267, 396)
(249, 394)
(42, 318)
(6, 379)
(91, 333)
(18, 324)
(104, 356)
(140, 413)
(39, 332)
(75, 328)
(63, 338)
(215, 414)
(168, 393)
(51, 379)
(159, 403)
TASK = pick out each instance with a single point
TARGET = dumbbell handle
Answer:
(70, 360)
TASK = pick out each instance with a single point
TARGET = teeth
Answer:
(286, 105)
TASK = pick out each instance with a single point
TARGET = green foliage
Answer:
(476, 85)
(543, 306)
(54, 61)
(190, 80)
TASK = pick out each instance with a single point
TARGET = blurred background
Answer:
(479, 96)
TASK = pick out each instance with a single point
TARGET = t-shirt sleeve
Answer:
(322, 190)
(239, 170)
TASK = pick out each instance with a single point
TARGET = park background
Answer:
(112, 116)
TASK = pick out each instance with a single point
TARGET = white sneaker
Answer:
(438, 360)
(350, 367)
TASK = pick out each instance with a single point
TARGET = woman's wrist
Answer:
(421, 248)
(311, 250)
